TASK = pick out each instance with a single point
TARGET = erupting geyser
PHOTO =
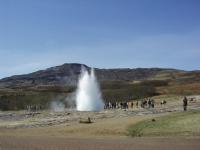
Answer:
(88, 96)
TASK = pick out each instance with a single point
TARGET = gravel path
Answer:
(42, 143)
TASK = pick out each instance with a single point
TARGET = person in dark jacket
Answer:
(185, 103)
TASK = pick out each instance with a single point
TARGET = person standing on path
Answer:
(185, 103)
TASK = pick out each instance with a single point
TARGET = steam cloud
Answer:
(88, 96)
(57, 106)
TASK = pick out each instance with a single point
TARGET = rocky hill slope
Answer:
(68, 74)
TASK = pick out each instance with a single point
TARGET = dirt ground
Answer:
(54, 143)
(62, 131)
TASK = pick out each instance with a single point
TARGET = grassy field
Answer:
(166, 82)
(111, 123)
(112, 127)
(109, 134)
(175, 124)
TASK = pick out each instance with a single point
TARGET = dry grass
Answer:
(105, 127)
(107, 132)
(181, 89)
(104, 124)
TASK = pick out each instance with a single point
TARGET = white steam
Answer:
(88, 96)
(57, 106)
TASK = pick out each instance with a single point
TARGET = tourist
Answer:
(185, 103)
(137, 104)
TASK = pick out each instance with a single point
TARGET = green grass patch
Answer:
(176, 124)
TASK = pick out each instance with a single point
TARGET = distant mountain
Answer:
(68, 74)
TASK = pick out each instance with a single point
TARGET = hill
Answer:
(123, 84)
(68, 74)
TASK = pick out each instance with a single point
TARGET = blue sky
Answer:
(36, 34)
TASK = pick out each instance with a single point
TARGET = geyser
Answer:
(88, 95)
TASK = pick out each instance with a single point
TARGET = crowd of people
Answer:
(116, 105)
(144, 103)
(147, 103)
(33, 108)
